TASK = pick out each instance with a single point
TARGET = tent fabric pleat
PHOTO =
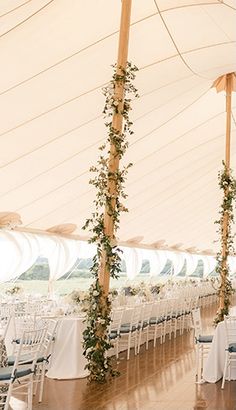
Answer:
(56, 57)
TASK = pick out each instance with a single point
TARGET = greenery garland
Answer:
(96, 339)
(228, 184)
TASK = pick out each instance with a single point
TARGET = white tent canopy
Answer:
(56, 56)
(19, 252)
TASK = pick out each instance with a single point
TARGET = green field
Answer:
(63, 287)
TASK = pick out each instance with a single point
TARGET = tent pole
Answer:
(225, 227)
(117, 123)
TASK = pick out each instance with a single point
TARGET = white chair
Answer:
(230, 352)
(21, 373)
(129, 330)
(43, 361)
(156, 322)
(6, 312)
(177, 317)
(169, 320)
(114, 328)
(203, 342)
(144, 324)
(187, 314)
(43, 358)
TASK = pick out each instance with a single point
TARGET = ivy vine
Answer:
(96, 341)
(228, 184)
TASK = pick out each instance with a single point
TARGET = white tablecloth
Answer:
(67, 361)
(214, 365)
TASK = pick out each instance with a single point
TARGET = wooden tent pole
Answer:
(117, 123)
(227, 164)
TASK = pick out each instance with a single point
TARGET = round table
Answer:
(214, 366)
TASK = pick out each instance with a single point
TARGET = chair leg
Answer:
(42, 382)
(30, 393)
(128, 350)
(197, 362)
(147, 339)
(139, 340)
(162, 334)
(117, 348)
(36, 381)
(6, 407)
(175, 328)
(202, 352)
(155, 336)
(225, 369)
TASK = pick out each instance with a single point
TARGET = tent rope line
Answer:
(85, 193)
(78, 153)
(182, 213)
(93, 119)
(51, 109)
(168, 197)
(15, 8)
(180, 137)
(196, 86)
(173, 117)
(137, 207)
(85, 210)
(86, 172)
(215, 22)
(137, 193)
(189, 52)
(233, 118)
(97, 88)
(56, 138)
(75, 199)
(87, 47)
(26, 19)
(227, 5)
(52, 141)
(175, 44)
(64, 205)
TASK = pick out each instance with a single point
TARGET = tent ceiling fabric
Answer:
(56, 56)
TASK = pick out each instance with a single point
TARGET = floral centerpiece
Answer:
(130, 291)
(155, 289)
(15, 290)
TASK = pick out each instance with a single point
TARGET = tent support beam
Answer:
(117, 123)
(225, 227)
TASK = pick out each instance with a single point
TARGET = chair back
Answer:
(136, 316)
(163, 305)
(6, 311)
(197, 323)
(155, 313)
(47, 345)
(116, 318)
(146, 312)
(22, 322)
(230, 327)
(30, 348)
